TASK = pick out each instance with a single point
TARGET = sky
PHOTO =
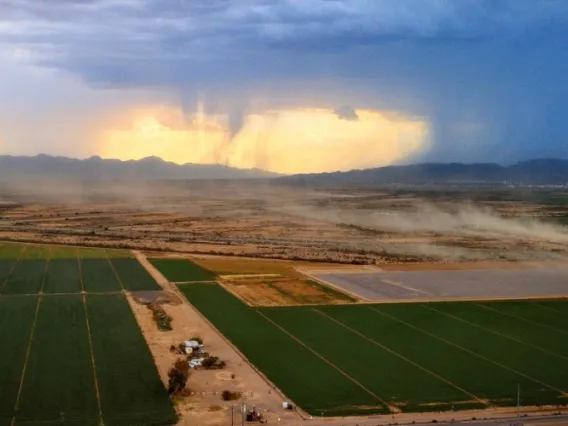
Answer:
(290, 86)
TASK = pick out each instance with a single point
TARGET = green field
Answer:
(133, 276)
(58, 349)
(29, 268)
(26, 278)
(59, 375)
(34, 252)
(16, 318)
(63, 252)
(39, 251)
(63, 276)
(361, 359)
(182, 270)
(98, 276)
(6, 267)
(94, 253)
(10, 251)
(127, 396)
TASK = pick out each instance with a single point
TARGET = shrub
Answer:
(228, 395)
(161, 318)
(213, 363)
(178, 376)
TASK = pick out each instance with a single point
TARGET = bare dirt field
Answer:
(453, 284)
(263, 220)
(281, 291)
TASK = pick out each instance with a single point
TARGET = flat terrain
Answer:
(182, 270)
(361, 359)
(130, 389)
(474, 284)
(72, 358)
(373, 225)
(30, 269)
(266, 290)
(133, 276)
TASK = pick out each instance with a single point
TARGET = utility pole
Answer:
(243, 413)
(232, 414)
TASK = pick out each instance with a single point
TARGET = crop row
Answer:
(413, 357)
(73, 275)
(88, 362)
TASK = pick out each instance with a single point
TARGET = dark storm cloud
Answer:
(489, 75)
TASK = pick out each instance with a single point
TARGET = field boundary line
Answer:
(393, 409)
(114, 270)
(506, 336)
(549, 308)
(45, 273)
(92, 358)
(483, 401)
(558, 330)
(469, 351)
(28, 351)
(80, 270)
(13, 269)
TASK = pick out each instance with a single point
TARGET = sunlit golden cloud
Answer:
(285, 141)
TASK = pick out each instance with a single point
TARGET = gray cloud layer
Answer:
(490, 75)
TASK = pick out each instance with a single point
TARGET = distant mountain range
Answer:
(537, 172)
(543, 171)
(95, 168)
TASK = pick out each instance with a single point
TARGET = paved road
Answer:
(553, 420)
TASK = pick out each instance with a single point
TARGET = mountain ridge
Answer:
(545, 171)
(95, 167)
(534, 171)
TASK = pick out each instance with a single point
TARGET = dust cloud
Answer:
(319, 219)
(448, 232)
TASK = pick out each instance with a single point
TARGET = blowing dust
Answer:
(451, 232)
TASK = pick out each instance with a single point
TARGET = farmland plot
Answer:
(133, 276)
(98, 276)
(34, 252)
(63, 276)
(10, 251)
(63, 252)
(182, 270)
(16, 318)
(59, 384)
(552, 340)
(314, 384)
(96, 253)
(6, 267)
(412, 357)
(378, 368)
(26, 278)
(547, 373)
(491, 382)
(130, 388)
